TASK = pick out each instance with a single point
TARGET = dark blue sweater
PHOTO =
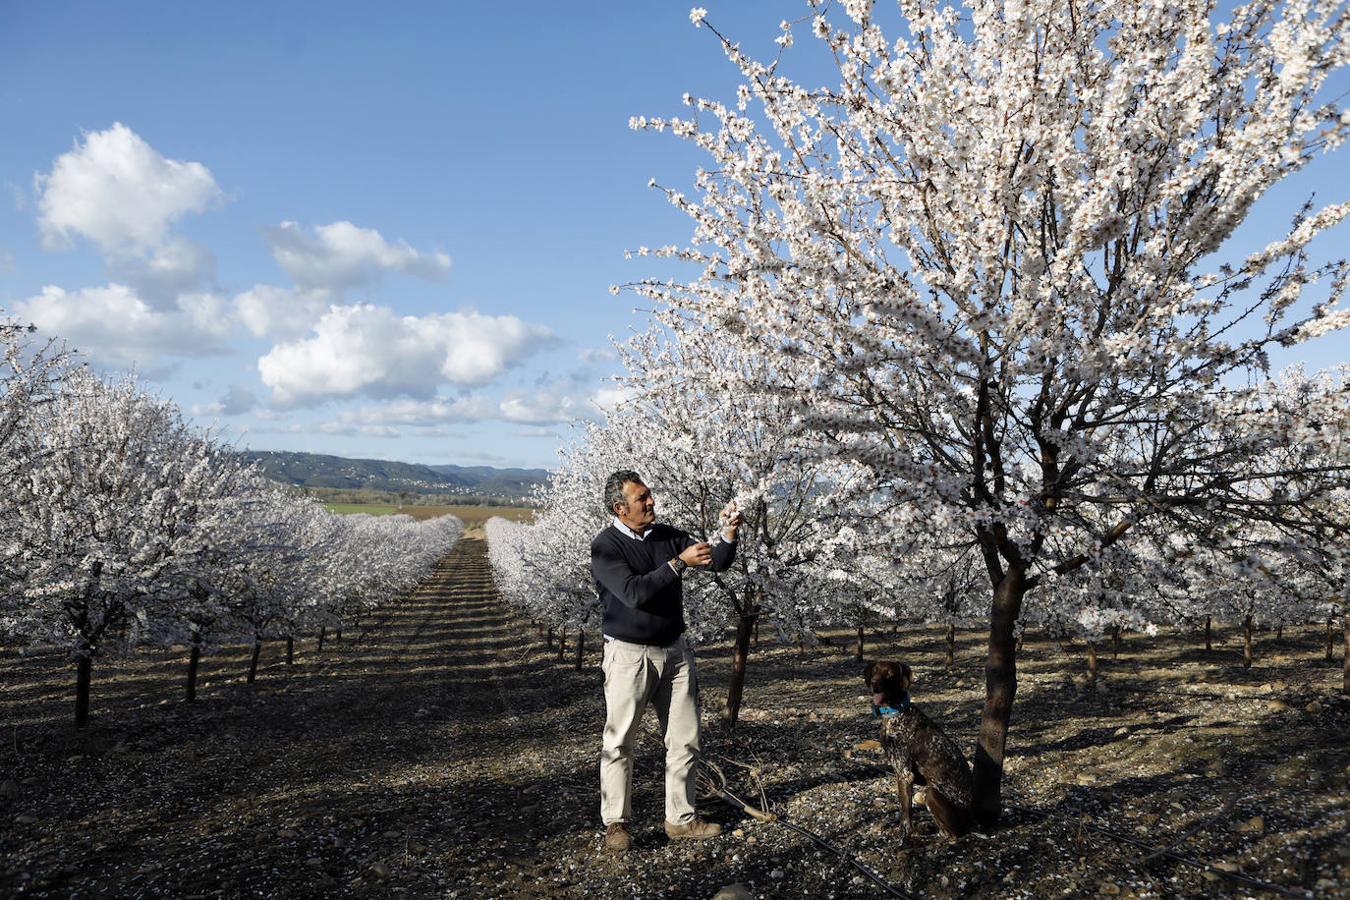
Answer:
(639, 591)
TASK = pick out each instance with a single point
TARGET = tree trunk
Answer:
(1000, 686)
(1208, 644)
(290, 651)
(82, 673)
(337, 635)
(951, 645)
(1247, 642)
(1115, 642)
(322, 633)
(550, 637)
(1279, 632)
(1092, 660)
(1331, 650)
(253, 663)
(562, 643)
(740, 652)
(1345, 656)
(860, 643)
(193, 656)
(756, 631)
(581, 644)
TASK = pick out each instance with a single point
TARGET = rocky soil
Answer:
(446, 752)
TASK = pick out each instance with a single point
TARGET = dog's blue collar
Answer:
(887, 712)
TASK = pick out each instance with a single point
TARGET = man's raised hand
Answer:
(699, 554)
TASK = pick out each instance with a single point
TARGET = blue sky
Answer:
(469, 165)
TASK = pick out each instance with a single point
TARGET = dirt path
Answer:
(447, 753)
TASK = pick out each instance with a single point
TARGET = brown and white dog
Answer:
(920, 751)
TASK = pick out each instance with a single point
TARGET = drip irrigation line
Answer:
(726, 796)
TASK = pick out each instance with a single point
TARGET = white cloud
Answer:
(113, 324)
(537, 431)
(266, 309)
(610, 398)
(119, 192)
(597, 354)
(544, 407)
(341, 255)
(237, 401)
(369, 350)
(422, 412)
(176, 266)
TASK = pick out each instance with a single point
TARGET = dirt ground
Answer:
(446, 752)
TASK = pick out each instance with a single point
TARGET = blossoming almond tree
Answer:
(111, 508)
(990, 253)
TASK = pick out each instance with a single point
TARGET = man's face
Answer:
(639, 507)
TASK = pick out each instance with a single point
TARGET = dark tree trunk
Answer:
(290, 651)
(253, 663)
(83, 667)
(1247, 642)
(951, 645)
(860, 644)
(1092, 660)
(756, 631)
(1331, 647)
(194, 655)
(1115, 642)
(323, 632)
(1279, 632)
(1208, 628)
(337, 635)
(581, 647)
(550, 638)
(1345, 656)
(740, 652)
(1000, 686)
(562, 643)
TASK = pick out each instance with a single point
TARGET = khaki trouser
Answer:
(636, 674)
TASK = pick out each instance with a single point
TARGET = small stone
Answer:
(1109, 888)
(1086, 778)
(26, 819)
(960, 682)
(379, 870)
(1254, 825)
(739, 832)
(1122, 731)
(879, 802)
(287, 834)
(751, 839)
(736, 891)
(392, 834)
(1314, 707)
(1210, 876)
(1277, 705)
(1224, 865)
(778, 874)
(417, 848)
(314, 862)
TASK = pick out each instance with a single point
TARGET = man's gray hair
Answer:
(614, 487)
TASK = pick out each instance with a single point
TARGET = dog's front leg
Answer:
(904, 784)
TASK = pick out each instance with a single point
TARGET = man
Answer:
(637, 566)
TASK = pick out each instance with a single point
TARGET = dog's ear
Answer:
(906, 676)
(867, 669)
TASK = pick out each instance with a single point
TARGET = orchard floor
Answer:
(447, 753)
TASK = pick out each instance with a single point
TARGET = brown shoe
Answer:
(616, 838)
(695, 829)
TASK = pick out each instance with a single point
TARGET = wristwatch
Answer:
(678, 565)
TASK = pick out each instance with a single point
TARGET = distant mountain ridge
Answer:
(319, 470)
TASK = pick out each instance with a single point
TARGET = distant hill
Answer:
(317, 470)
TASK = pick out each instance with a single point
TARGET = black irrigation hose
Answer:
(732, 800)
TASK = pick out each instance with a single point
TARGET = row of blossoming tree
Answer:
(969, 341)
(123, 525)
